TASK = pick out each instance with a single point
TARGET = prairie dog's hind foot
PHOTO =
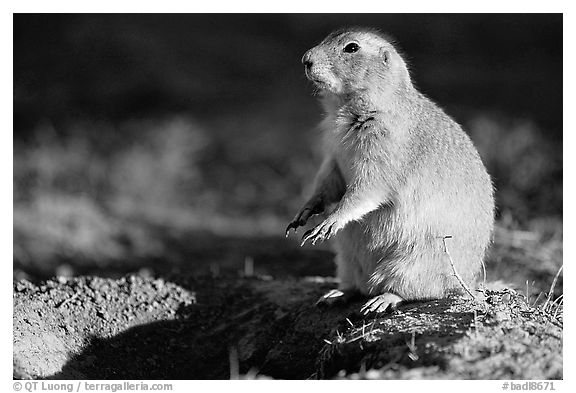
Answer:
(336, 297)
(387, 302)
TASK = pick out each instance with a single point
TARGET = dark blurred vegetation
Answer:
(205, 123)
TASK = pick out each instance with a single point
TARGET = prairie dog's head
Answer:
(352, 61)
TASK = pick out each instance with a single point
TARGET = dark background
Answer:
(152, 140)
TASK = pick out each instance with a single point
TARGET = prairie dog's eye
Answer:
(351, 47)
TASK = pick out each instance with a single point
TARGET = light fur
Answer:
(402, 173)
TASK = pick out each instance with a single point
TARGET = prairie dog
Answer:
(402, 174)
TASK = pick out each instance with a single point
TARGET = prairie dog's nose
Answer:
(307, 60)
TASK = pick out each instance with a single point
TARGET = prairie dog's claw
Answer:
(299, 221)
(319, 233)
(305, 236)
(293, 226)
(303, 216)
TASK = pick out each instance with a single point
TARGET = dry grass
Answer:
(508, 337)
(454, 271)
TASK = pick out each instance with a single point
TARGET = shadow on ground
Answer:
(152, 329)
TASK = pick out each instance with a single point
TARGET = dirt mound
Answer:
(202, 328)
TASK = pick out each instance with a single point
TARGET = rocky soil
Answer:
(144, 327)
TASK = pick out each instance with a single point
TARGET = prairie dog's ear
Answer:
(385, 56)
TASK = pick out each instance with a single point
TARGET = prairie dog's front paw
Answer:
(311, 209)
(321, 232)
